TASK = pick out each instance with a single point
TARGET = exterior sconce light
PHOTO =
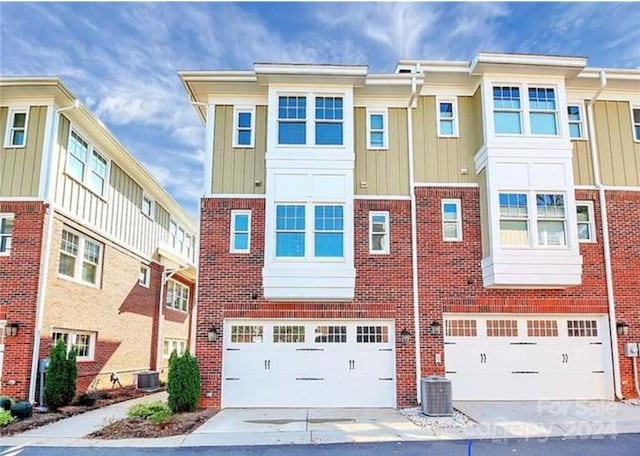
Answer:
(622, 328)
(435, 328)
(11, 329)
(405, 336)
(212, 334)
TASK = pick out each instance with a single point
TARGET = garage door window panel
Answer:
(461, 328)
(502, 328)
(582, 328)
(330, 334)
(542, 328)
(372, 334)
(288, 334)
(247, 334)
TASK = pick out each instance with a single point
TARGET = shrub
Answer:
(5, 403)
(62, 374)
(22, 410)
(157, 412)
(184, 383)
(87, 399)
(5, 418)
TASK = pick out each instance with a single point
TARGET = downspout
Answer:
(166, 275)
(414, 235)
(46, 255)
(605, 236)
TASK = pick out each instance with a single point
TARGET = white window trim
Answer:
(633, 125)
(583, 136)
(87, 170)
(525, 109)
(9, 127)
(522, 112)
(145, 283)
(171, 305)
(77, 278)
(232, 231)
(556, 111)
(385, 128)
(8, 216)
(454, 119)
(236, 111)
(387, 247)
(151, 206)
(458, 203)
(71, 339)
(592, 229)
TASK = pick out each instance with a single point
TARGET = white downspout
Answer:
(605, 236)
(414, 237)
(49, 185)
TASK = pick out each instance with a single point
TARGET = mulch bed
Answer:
(104, 398)
(182, 423)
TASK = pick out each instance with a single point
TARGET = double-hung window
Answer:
(552, 219)
(507, 110)
(379, 232)
(16, 131)
(575, 122)
(514, 219)
(447, 118)
(377, 129)
(173, 232)
(177, 296)
(243, 127)
(584, 212)
(145, 276)
(542, 111)
(329, 231)
(180, 240)
(80, 257)
(290, 230)
(329, 121)
(240, 231)
(83, 342)
(635, 113)
(6, 233)
(146, 206)
(451, 220)
(85, 164)
(292, 120)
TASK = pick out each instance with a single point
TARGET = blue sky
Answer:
(121, 59)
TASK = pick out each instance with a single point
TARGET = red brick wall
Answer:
(19, 274)
(227, 282)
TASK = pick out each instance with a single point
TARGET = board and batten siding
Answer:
(619, 154)
(582, 168)
(442, 159)
(20, 166)
(117, 213)
(385, 171)
(236, 169)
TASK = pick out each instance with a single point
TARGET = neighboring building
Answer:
(470, 219)
(92, 249)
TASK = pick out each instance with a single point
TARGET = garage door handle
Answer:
(483, 358)
(352, 364)
(267, 364)
(565, 358)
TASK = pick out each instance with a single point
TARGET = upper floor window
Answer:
(85, 164)
(507, 110)
(329, 231)
(147, 206)
(80, 257)
(379, 232)
(447, 118)
(551, 219)
(16, 131)
(586, 229)
(6, 233)
(575, 122)
(145, 275)
(636, 123)
(377, 129)
(292, 120)
(542, 111)
(240, 231)
(290, 229)
(177, 296)
(173, 233)
(451, 220)
(243, 127)
(514, 219)
(329, 119)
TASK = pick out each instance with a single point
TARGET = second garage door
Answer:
(535, 357)
(299, 363)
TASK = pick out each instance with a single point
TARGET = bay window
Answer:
(292, 120)
(514, 219)
(290, 230)
(329, 119)
(329, 231)
(507, 110)
(542, 111)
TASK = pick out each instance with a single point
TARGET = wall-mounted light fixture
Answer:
(622, 328)
(435, 328)
(11, 329)
(212, 334)
(405, 336)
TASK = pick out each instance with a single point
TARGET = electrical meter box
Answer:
(631, 350)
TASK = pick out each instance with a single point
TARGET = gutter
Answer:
(414, 232)
(49, 199)
(605, 236)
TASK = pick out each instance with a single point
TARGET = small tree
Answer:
(62, 374)
(184, 383)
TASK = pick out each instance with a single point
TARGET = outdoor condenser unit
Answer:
(148, 381)
(436, 396)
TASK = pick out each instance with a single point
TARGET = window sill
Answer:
(452, 240)
(579, 139)
(239, 146)
(378, 253)
(449, 136)
(378, 149)
(78, 281)
(143, 285)
(587, 241)
(85, 360)
(14, 146)
(5, 254)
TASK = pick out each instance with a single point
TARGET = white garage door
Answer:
(534, 357)
(296, 363)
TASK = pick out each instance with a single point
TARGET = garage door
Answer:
(296, 363)
(506, 357)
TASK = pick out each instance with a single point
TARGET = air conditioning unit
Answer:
(436, 396)
(148, 381)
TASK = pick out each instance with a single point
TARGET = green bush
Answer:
(158, 412)
(5, 403)
(5, 418)
(61, 378)
(184, 383)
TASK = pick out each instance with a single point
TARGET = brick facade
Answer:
(19, 275)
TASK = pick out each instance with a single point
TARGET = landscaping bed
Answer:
(181, 423)
(81, 404)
